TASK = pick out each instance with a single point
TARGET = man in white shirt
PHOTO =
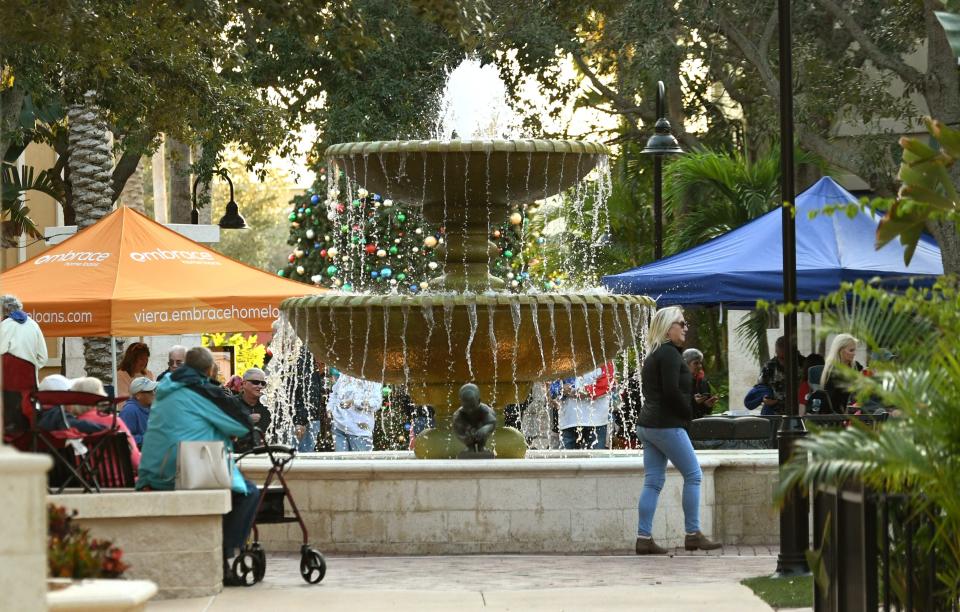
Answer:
(351, 405)
(585, 409)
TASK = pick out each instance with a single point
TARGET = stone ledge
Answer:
(14, 462)
(145, 503)
(102, 595)
(364, 466)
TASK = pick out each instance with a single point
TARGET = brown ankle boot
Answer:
(698, 541)
(646, 546)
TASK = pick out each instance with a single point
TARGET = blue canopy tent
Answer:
(746, 264)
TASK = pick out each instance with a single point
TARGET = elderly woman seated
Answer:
(93, 414)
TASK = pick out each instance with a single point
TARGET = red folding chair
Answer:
(89, 459)
(19, 382)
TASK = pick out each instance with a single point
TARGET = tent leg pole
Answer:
(113, 362)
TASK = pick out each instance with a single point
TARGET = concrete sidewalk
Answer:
(470, 583)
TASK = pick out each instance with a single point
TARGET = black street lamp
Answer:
(231, 219)
(794, 515)
(661, 143)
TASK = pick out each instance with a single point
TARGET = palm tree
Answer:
(707, 193)
(15, 214)
(91, 171)
(918, 453)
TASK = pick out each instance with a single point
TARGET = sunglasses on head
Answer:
(258, 383)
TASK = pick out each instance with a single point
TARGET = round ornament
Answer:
(430, 242)
(516, 219)
(381, 253)
(314, 199)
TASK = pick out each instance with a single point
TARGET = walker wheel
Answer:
(257, 550)
(248, 568)
(312, 565)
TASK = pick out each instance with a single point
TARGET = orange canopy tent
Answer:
(130, 276)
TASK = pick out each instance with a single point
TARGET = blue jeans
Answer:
(309, 442)
(344, 442)
(660, 444)
(583, 437)
(237, 522)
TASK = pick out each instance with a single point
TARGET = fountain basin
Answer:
(432, 344)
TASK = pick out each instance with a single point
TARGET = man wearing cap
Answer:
(136, 410)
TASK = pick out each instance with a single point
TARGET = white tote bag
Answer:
(203, 465)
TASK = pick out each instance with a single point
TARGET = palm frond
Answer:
(752, 333)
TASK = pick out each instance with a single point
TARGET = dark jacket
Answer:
(839, 390)
(667, 389)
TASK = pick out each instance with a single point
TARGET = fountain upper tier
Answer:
(469, 186)
(472, 173)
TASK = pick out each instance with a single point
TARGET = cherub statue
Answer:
(473, 422)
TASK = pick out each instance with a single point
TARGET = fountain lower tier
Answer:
(432, 344)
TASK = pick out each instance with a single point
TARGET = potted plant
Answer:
(71, 552)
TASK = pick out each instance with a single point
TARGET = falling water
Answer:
(475, 107)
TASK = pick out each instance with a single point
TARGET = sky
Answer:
(475, 102)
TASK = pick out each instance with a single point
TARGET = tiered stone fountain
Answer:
(465, 329)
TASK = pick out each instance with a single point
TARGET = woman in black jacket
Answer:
(667, 391)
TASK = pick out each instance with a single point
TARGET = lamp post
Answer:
(794, 529)
(661, 143)
(231, 219)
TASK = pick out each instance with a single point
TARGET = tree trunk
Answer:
(205, 212)
(132, 195)
(11, 101)
(942, 94)
(178, 155)
(91, 171)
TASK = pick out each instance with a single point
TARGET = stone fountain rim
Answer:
(344, 300)
(527, 145)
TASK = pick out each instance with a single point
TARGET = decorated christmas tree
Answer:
(360, 241)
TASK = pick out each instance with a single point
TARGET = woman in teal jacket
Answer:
(189, 407)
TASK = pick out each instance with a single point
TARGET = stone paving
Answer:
(679, 581)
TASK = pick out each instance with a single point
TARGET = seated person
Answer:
(93, 414)
(136, 410)
(842, 355)
(54, 417)
(812, 360)
(703, 400)
(190, 407)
